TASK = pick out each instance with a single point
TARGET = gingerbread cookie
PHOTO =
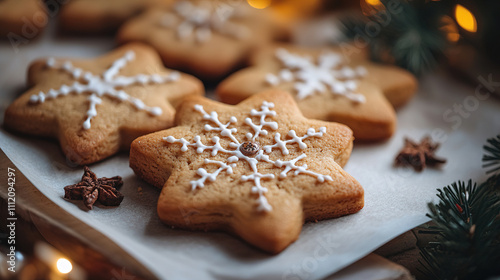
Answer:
(95, 107)
(22, 20)
(100, 17)
(206, 38)
(327, 86)
(258, 169)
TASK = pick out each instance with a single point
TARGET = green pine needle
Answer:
(467, 242)
(412, 38)
(491, 158)
(466, 226)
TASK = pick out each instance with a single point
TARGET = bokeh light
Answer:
(259, 4)
(465, 18)
(64, 266)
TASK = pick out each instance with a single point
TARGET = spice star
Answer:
(419, 155)
(92, 189)
(258, 169)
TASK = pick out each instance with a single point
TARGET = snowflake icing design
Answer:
(108, 84)
(203, 19)
(249, 151)
(329, 73)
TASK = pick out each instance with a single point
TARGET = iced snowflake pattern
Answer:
(203, 19)
(108, 84)
(310, 78)
(237, 152)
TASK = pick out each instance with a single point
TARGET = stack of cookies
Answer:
(257, 164)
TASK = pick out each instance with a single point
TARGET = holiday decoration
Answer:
(466, 223)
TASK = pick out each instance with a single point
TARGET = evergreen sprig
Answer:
(491, 159)
(413, 37)
(466, 224)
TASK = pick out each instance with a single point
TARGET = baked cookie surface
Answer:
(206, 38)
(96, 107)
(23, 19)
(327, 85)
(258, 169)
(100, 17)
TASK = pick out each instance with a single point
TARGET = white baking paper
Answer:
(395, 198)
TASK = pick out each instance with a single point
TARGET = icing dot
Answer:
(67, 66)
(122, 95)
(77, 72)
(130, 55)
(351, 85)
(34, 99)
(64, 90)
(87, 76)
(86, 124)
(170, 139)
(138, 103)
(53, 94)
(286, 75)
(156, 111)
(339, 88)
(174, 76)
(233, 159)
(361, 71)
(51, 62)
(272, 79)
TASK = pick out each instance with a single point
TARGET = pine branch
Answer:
(466, 224)
(412, 38)
(491, 158)
(467, 232)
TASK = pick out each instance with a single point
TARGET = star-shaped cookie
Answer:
(328, 85)
(258, 169)
(100, 17)
(22, 20)
(96, 107)
(206, 38)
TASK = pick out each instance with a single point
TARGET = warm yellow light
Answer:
(449, 27)
(259, 4)
(64, 266)
(465, 18)
(373, 2)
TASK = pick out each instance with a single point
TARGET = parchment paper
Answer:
(395, 199)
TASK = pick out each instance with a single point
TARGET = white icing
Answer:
(329, 74)
(202, 19)
(108, 84)
(235, 155)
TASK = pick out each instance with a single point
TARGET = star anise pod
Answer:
(419, 155)
(92, 189)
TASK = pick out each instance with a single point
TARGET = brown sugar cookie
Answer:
(100, 17)
(258, 169)
(96, 107)
(206, 38)
(327, 86)
(21, 20)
